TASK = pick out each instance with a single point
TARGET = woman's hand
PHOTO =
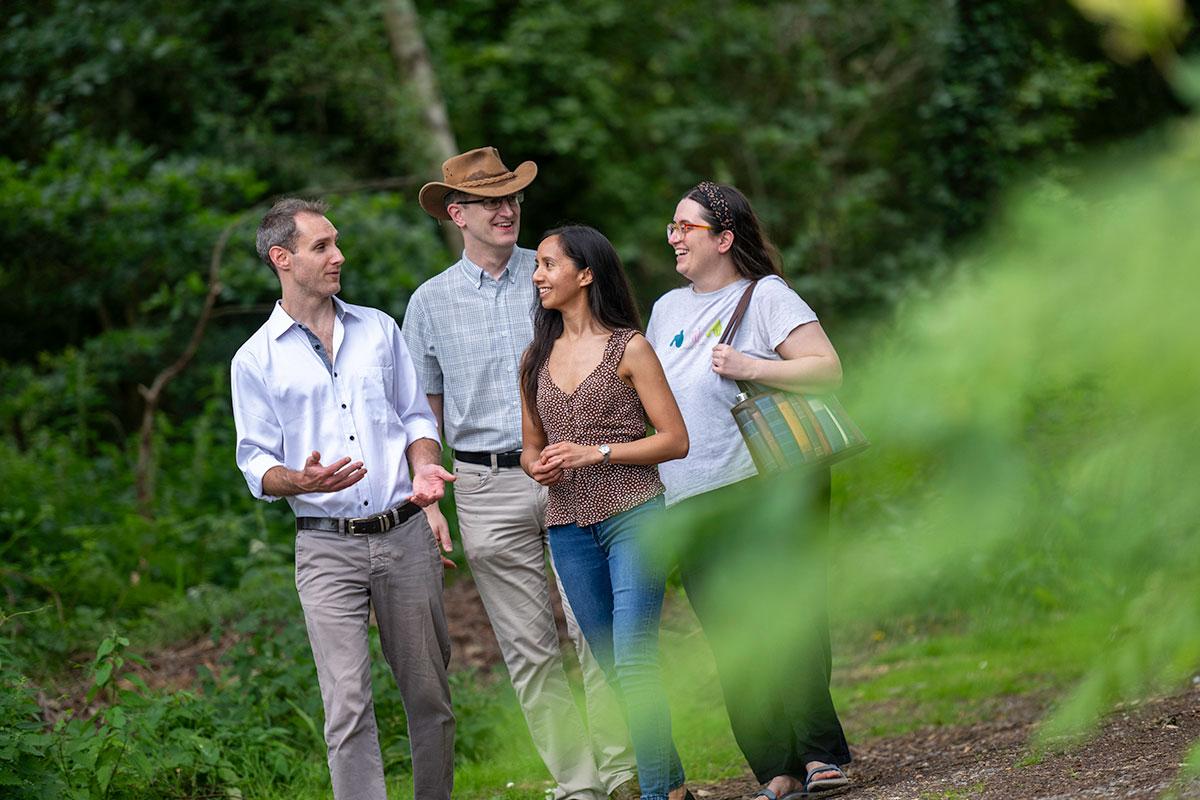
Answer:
(733, 364)
(568, 455)
(544, 473)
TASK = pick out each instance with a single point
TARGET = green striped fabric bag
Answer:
(787, 430)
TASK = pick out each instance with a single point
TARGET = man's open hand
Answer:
(333, 478)
(429, 484)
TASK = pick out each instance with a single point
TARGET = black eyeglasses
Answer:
(494, 203)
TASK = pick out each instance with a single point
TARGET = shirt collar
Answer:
(280, 322)
(475, 273)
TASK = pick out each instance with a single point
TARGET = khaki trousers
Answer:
(339, 579)
(501, 516)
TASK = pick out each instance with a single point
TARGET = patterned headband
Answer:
(716, 204)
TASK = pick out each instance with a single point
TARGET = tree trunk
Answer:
(416, 72)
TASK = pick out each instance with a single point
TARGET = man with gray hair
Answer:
(466, 328)
(322, 376)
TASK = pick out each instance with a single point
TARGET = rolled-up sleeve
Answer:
(408, 393)
(259, 434)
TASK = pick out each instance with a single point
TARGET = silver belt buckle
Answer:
(362, 521)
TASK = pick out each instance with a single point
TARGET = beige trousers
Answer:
(501, 516)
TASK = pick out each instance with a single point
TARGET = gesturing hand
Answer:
(337, 476)
(429, 484)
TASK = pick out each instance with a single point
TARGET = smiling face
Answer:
(698, 253)
(495, 231)
(559, 281)
(315, 268)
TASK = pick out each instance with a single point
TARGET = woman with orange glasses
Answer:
(777, 694)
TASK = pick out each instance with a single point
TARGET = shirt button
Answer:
(343, 405)
(366, 502)
(352, 437)
(335, 374)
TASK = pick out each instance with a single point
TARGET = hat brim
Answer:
(433, 194)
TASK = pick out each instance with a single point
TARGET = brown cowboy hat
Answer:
(478, 172)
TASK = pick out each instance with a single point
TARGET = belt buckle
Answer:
(364, 522)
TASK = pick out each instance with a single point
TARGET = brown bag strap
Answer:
(735, 321)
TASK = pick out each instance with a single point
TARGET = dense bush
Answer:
(255, 724)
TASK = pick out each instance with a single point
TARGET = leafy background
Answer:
(988, 210)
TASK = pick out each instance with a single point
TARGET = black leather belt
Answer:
(359, 526)
(510, 459)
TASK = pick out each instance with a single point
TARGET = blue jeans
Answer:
(617, 594)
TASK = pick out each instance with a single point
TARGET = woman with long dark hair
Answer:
(590, 382)
(777, 691)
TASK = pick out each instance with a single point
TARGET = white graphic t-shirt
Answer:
(684, 327)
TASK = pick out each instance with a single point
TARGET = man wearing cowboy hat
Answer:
(466, 329)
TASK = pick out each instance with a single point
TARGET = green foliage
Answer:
(254, 725)
(24, 742)
(867, 140)
(123, 238)
(135, 745)
(188, 78)
(134, 134)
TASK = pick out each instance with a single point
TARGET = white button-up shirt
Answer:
(288, 401)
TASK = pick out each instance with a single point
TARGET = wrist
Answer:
(296, 479)
(753, 369)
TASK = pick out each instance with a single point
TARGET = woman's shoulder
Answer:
(774, 286)
(634, 338)
(775, 293)
(629, 343)
(621, 338)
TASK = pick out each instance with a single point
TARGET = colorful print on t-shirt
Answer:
(686, 341)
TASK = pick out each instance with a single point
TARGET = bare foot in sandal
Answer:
(823, 777)
(780, 786)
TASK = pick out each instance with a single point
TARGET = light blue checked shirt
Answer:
(466, 332)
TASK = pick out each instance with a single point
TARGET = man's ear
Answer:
(281, 257)
(457, 215)
(724, 241)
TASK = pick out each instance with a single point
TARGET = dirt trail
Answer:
(1136, 754)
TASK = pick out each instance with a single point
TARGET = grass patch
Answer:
(958, 678)
(955, 794)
